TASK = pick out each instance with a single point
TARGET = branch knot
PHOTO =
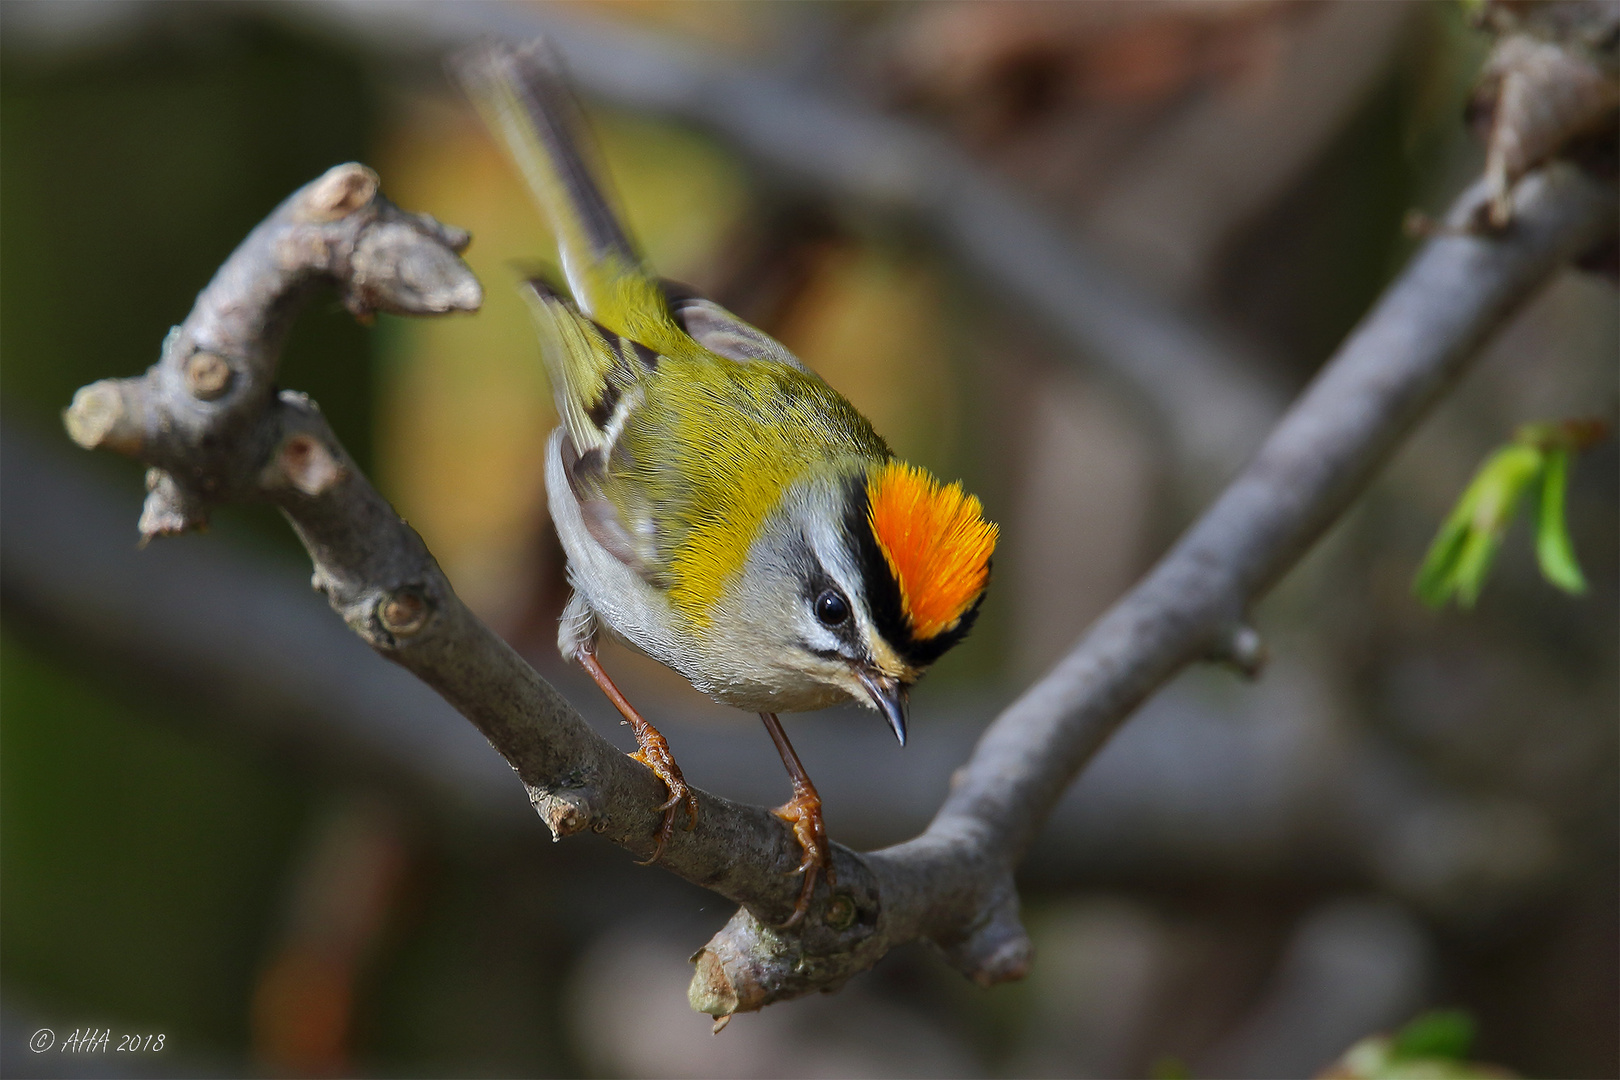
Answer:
(339, 192)
(405, 612)
(208, 376)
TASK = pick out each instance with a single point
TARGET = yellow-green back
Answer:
(713, 447)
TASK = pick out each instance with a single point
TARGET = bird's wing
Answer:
(723, 333)
(595, 374)
(686, 423)
(597, 380)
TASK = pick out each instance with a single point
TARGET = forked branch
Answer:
(208, 420)
(953, 884)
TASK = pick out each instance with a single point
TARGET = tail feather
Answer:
(525, 101)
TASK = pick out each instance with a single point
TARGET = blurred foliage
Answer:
(1170, 1068)
(1433, 1046)
(140, 866)
(1444, 1033)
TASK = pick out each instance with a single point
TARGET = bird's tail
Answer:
(524, 99)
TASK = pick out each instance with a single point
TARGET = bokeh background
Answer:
(224, 820)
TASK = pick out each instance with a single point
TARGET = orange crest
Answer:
(936, 541)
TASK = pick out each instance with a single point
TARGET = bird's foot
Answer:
(654, 753)
(803, 812)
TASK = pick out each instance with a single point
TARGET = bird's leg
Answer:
(653, 753)
(803, 812)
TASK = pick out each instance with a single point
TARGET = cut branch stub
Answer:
(214, 379)
(104, 416)
(171, 508)
(750, 963)
(997, 949)
(566, 811)
(404, 612)
(1551, 83)
(303, 462)
(1240, 647)
(340, 192)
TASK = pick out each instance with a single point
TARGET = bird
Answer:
(722, 508)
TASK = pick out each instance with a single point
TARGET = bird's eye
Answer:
(831, 608)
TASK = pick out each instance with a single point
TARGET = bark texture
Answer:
(208, 420)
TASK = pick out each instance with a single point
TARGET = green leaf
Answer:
(1473, 564)
(1434, 584)
(1445, 1033)
(1502, 482)
(1554, 551)
(1460, 556)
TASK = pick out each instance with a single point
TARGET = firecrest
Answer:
(722, 508)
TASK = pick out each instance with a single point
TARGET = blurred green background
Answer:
(1412, 809)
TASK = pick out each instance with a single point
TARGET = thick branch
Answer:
(206, 417)
(953, 883)
(222, 434)
(204, 623)
(207, 624)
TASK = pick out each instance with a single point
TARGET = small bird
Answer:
(722, 508)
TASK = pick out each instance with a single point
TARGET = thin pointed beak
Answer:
(889, 695)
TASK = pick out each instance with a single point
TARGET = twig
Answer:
(220, 434)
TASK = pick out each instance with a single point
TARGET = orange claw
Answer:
(803, 812)
(653, 753)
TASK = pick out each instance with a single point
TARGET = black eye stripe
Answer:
(816, 583)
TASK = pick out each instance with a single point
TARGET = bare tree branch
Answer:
(953, 884)
(206, 417)
(265, 662)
